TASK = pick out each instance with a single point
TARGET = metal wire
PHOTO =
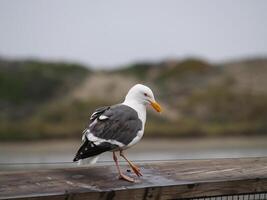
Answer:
(246, 196)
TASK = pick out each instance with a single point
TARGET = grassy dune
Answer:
(51, 100)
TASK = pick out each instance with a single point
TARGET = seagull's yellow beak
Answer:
(156, 106)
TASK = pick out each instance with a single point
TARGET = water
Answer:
(147, 150)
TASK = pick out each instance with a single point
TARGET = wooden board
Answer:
(165, 180)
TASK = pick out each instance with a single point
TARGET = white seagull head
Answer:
(142, 94)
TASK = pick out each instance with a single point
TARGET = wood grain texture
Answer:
(165, 180)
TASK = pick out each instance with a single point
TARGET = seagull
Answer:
(118, 127)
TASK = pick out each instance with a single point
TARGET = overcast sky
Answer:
(110, 33)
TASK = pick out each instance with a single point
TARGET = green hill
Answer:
(51, 100)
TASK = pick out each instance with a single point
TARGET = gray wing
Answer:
(119, 123)
(111, 127)
(98, 112)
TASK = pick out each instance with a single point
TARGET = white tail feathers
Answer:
(88, 161)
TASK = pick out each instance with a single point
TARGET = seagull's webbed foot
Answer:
(126, 178)
(136, 170)
(121, 175)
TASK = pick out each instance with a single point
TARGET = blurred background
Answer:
(206, 62)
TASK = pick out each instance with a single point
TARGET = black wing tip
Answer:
(75, 159)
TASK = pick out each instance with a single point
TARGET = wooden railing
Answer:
(162, 180)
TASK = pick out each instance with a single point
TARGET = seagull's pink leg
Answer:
(134, 167)
(121, 175)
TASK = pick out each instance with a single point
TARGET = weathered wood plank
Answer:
(166, 180)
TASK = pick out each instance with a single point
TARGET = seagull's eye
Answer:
(145, 94)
